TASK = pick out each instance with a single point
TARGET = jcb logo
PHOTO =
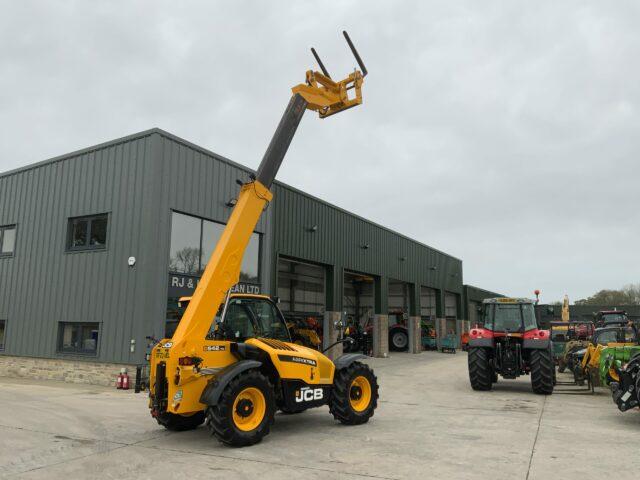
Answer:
(307, 394)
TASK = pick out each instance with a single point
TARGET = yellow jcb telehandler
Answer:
(231, 361)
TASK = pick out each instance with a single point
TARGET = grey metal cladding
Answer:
(341, 236)
(137, 181)
(42, 284)
(476, 294)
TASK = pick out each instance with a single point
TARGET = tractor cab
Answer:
(606, 318)
(510, 344)
(508, 316)
(615, 336)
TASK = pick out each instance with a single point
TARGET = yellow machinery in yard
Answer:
(587, 361)
(565, 309)
(231, 361)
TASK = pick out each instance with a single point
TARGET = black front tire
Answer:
(542, 372)
(481, 374)
(220, 416)
(180, 423)
(340, 404)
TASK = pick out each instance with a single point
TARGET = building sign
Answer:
(181, 285)
(251, 288)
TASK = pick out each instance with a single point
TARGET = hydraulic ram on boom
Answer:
(236, 371)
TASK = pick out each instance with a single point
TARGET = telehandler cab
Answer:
(510, 344)
(235, 368)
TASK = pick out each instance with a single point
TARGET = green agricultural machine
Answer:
(612, 360)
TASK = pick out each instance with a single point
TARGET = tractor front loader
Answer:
(231, 361)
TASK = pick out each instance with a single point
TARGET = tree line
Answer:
(627, 295)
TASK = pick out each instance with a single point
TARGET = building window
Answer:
(3, 327)
(193, 240)
(7, 240)
(78, 338)
(87, 233)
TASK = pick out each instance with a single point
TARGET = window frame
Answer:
(3, 228)
(71, 221)
(60, 350)
(201, 266)
(3, 344)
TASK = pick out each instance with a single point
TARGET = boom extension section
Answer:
(320, 93)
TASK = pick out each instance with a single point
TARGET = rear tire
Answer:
(398, 340)
(348, 402)
(248, 397)
(542, 372)
(480, 372)
(180, 423)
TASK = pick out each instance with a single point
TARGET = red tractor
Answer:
(510, 344)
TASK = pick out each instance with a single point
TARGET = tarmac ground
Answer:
(429, 424)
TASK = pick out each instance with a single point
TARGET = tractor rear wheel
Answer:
(542, 372)
(481, 374)
(180, 423)
(245, 411)
(398, 340)
(355, 394)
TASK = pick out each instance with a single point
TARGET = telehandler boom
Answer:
(231, 360)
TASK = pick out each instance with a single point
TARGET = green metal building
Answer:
(97, 246)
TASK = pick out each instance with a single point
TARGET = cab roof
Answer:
(233, 295)
(508, 300)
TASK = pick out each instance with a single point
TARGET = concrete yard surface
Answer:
(429, 424)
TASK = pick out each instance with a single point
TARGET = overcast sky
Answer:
(504, 133)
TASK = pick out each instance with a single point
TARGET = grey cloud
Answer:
(504, 133)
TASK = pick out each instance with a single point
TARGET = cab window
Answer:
(252, 317)
(238, 321)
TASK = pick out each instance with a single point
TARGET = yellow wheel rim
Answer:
(249, 409)
(360, 394)
(614, 375)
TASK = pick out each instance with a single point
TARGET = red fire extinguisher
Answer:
(125, 381)
(122, 380)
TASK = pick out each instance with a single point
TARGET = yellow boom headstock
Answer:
(328, 97)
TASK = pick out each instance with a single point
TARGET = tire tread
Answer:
(480, 372)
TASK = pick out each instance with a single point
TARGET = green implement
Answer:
(612, 359)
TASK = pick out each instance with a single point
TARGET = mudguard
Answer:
(541, 344)
(347, 359)
(480, 342)
(213, 390)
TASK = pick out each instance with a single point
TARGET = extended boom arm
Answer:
(320, 94)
